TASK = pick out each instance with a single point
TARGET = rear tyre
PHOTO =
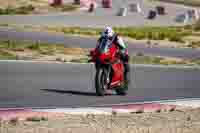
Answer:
(101, 81)
(122, 90)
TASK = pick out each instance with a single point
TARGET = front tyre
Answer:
(101, 81)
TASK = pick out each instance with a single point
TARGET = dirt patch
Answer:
(180, 121)
(38, 51)
(62, 55)
(17, 3)
(79, 55)
(172, 60)
(158, 43)
(75, 51)
(140, 58)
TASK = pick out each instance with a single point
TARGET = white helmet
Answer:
(108, 32)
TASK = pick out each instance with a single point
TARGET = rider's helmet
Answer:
(108, 31)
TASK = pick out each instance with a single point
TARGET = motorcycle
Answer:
(109, 68)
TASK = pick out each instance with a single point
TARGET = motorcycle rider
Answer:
(123, 51)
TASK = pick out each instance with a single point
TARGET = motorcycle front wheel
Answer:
(101, 81)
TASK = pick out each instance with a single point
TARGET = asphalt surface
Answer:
(103, 17)
(71, 85)
(77, 41)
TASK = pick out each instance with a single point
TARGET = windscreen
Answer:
(104, 45)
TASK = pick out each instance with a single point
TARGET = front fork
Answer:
(109, 76)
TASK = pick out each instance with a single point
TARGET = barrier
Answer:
(107, 3)
(122, 11)
(135, 7)
(160, 10)
(183, 18)
(152, 14)
(55, 2)
(86, 3)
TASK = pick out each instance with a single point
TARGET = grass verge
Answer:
(171, 34)
(43, 48)
(195, 3)
(27, 50)
(17, 10)
(68, 7)
(6, 55)
(10, 49)
(34, 8)
(157, 60)
(177, 35)
(153, 33)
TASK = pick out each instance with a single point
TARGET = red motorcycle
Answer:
(109, 68)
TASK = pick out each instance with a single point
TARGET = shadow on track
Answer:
(70, 92)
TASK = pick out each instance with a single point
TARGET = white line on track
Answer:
(190, 102)
(108, 110)
(187, 102)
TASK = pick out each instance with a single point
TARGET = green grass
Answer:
(196, 26)
(194, 45)
(81, 31)
(6, 56)
(153, 33)
(196, 61)
(42, 48)
(145, 60)
(175, 34)
(195, 3)
(81, 60)
(6, 46)
(17, 10)
(66, 7)
(29, 8)
(139, 33)
(9, 48)
(37, 119)
(69, 7)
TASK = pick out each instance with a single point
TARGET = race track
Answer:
(24, 84)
